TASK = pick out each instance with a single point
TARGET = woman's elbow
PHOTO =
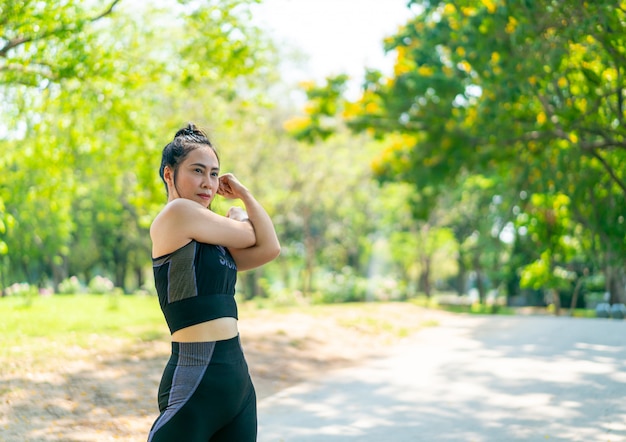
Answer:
(276, 251)
(272, 251)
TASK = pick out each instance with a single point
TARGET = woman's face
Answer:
(197, 177)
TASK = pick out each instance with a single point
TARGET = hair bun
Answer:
(190, 131)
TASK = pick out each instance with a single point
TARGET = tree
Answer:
(530, 93)
(90, 94)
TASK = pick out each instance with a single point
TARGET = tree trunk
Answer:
(480, 286)
(572, 306)
(556, 299)
(139, 276)
(615, 284)
(59, 272)
(309, 255)
(460, 278)
(425, 276)
(120, 275)
(249, 281)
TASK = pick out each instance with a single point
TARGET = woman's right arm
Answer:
(183, 220)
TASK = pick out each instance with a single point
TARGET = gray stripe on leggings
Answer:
(193, 360)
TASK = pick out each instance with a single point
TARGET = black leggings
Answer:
(206, 395)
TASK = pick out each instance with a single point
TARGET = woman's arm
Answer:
(266, 247)
(183, 220)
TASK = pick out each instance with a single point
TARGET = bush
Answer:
(23, 290)
(99, 285)
(347, 286)
(70, 286)
(342, 286)
(18, 289)
(277, 295)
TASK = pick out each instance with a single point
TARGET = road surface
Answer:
(471, 378)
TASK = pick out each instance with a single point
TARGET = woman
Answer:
(205, 393)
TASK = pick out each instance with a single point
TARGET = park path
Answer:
(471, 378)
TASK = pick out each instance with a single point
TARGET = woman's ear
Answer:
(168, 175)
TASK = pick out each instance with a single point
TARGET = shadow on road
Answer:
(472, 379)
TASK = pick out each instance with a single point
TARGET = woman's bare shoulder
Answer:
(167, 231)
(174, 211)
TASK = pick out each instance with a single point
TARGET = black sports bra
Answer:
(195, 283)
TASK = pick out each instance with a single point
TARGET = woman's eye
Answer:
(198, 170)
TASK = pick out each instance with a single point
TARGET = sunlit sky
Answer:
(337, 36)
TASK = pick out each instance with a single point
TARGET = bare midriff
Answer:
(218, 329)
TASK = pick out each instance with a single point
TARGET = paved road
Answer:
(469, 379)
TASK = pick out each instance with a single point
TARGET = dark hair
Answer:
(186, 139)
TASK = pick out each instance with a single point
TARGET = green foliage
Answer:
(46, 41)
(324, 103)
(526, 95)
(497, 141)
(92, 95)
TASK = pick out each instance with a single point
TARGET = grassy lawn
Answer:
(47, 325)
(42, 329)
(52, 327)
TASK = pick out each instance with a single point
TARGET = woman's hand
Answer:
(230, 187)
(237, 214)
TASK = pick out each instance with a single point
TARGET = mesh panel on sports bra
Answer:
(196, 283)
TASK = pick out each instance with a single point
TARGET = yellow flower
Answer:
(372, 107)
(449, 9)
(541, 118)
(490, 5)
(401, 69)
(511, 25)
(464, 65)
(296, 124)
(425, 71)
(307, 85)
(468, 12)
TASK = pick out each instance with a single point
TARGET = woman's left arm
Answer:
(267, 246)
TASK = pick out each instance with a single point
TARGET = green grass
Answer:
(42, 331)
(108, 314)
(48, 326)
(584, 313)
(478, 309)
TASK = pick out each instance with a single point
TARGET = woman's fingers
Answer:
(229, 186)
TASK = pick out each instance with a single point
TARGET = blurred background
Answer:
(470, 151)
